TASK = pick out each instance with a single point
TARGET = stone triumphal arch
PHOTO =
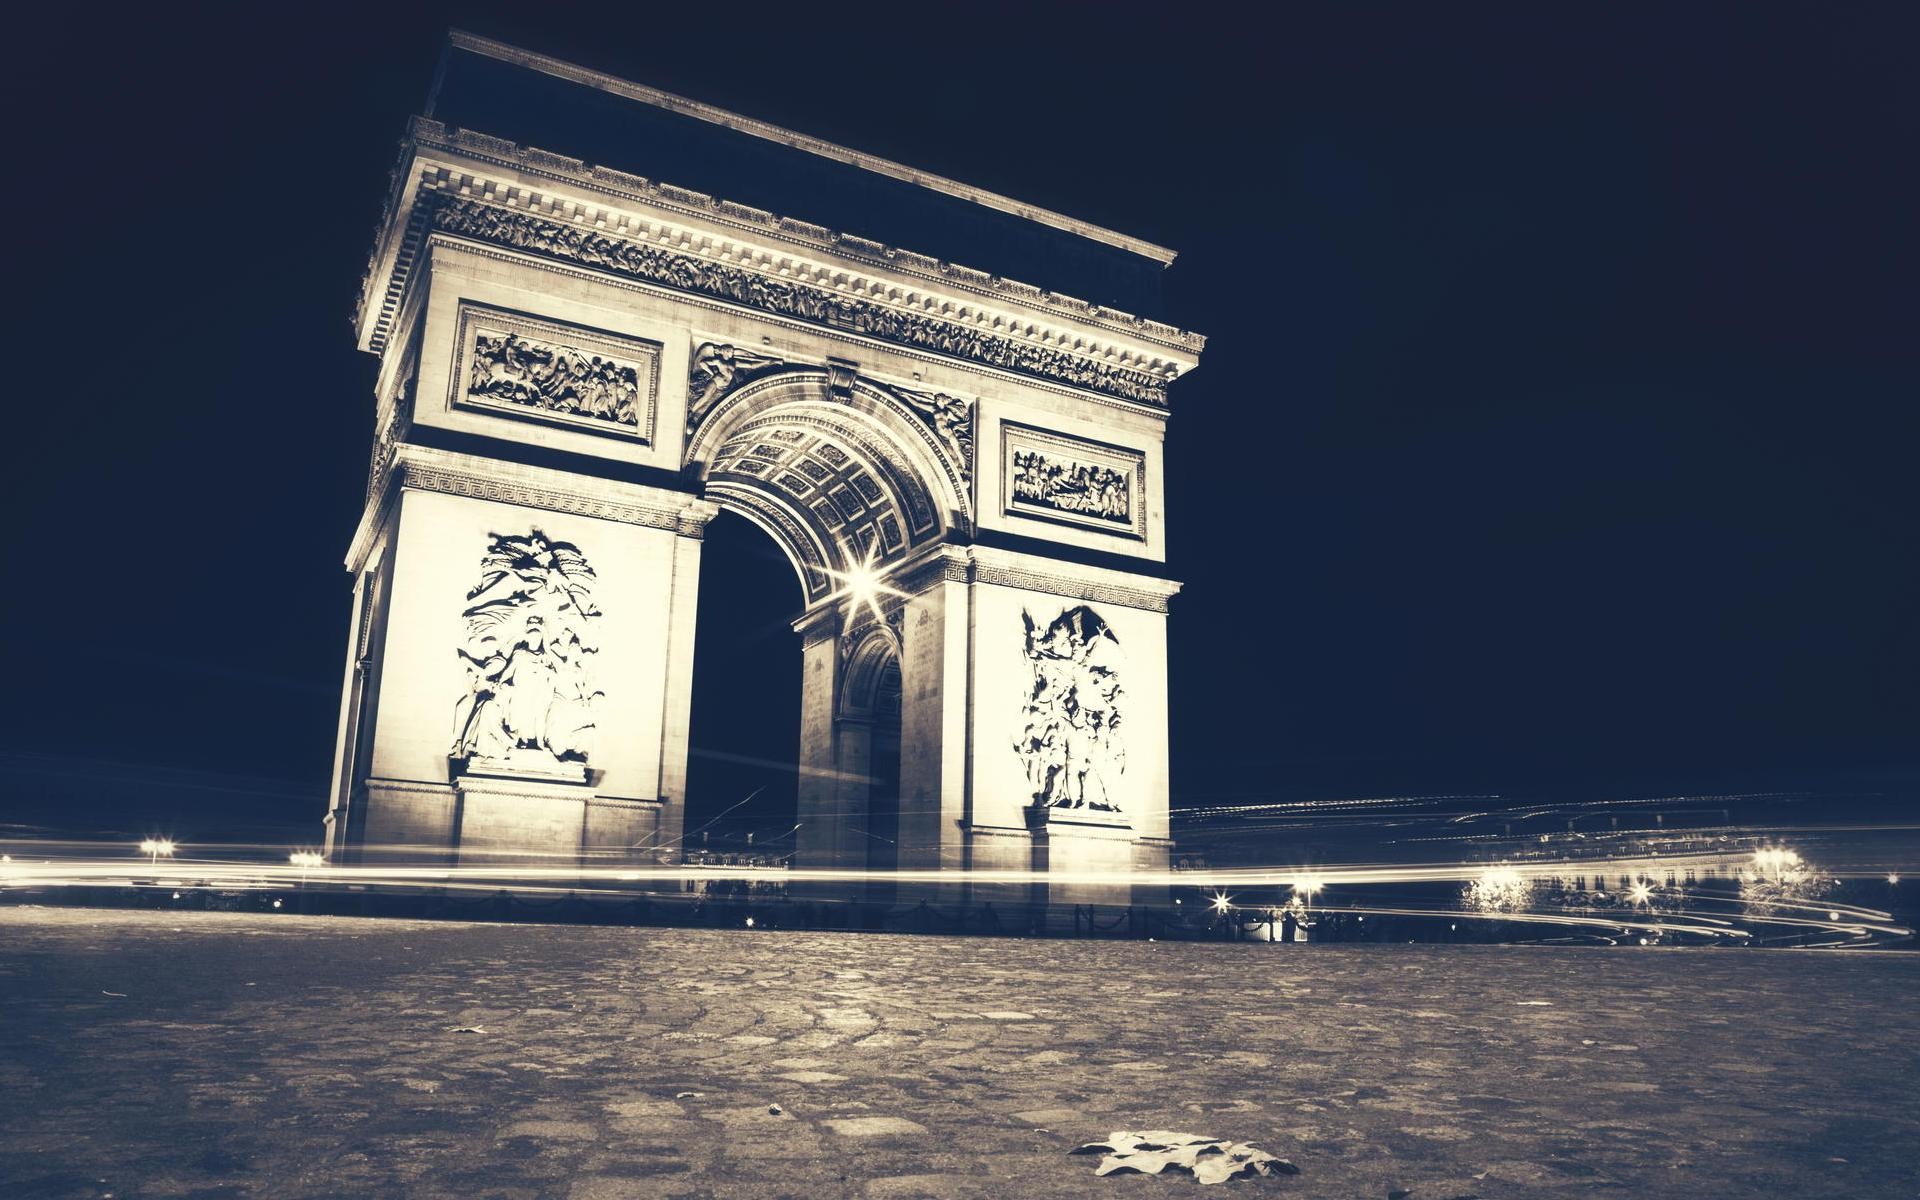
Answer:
(583, 359)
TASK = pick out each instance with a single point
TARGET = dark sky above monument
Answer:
(1556, 430)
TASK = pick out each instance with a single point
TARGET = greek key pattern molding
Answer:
(943, 568)
(1067, 587)
(480, 485)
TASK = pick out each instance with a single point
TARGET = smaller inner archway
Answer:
(869, 738)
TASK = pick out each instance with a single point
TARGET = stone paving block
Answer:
(864, 1127)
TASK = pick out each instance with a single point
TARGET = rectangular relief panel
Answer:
(514, 365)
(1074, 481)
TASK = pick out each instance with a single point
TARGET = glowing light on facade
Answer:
(1499, 890)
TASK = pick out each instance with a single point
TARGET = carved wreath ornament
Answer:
(529, 652)
(1069, 736)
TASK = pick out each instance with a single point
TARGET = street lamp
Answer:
(1305, 888)
(155, 849)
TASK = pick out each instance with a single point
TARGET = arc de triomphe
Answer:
(579, 366)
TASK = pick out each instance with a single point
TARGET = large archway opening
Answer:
(744, 729)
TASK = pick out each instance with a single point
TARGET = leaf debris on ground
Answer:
(1211, 1160)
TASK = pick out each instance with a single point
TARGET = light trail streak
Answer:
(1659, 911)
(1225, 878)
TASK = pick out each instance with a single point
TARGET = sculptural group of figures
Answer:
(1071, 486)
(554, 378)
(1070, 731)
(528, 652)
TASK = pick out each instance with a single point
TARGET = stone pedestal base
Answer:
(625, 833)
(1089, 856)
(1069, 844)
(521, 822)
(403, 822)
(486, 818)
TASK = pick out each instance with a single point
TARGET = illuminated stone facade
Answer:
(580, 367)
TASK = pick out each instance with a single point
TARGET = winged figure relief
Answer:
(715, 369)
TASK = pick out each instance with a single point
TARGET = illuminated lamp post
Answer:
(155, 849)
(1306, 888)
(1222, 906)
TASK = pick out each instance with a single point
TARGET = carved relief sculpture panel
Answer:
(531, 638)
(1077, 482)
(515, 365)
(1069, 735)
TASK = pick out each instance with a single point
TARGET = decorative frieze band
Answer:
(1069, 587)
(939, 569)
(429, 470)
(561, 239)
(953, 565)
(431, 134)
(482, 479)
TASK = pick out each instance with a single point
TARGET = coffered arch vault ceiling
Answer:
(838, 480)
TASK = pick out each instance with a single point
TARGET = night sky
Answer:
(1555, 432)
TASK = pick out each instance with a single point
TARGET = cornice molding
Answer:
(502, 254)
(1071, 581)
(774, 133)
(945, 564)
(1057, 323)
(425, 134)
(557, 231)
(817, 625)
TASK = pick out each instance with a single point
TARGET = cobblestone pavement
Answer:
(209, 1054)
